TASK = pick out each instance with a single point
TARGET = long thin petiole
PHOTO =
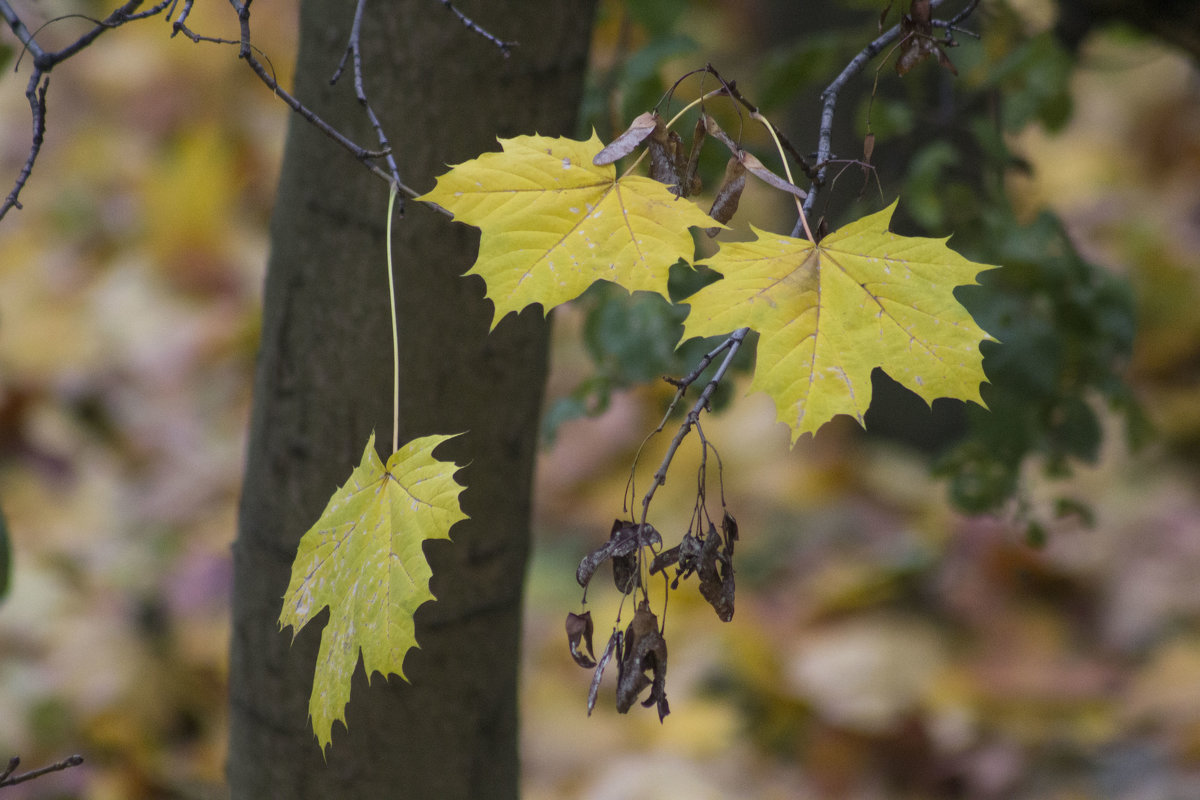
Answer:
(395, 334)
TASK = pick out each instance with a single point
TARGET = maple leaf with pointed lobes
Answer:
(828, 314)
(553, 222)
(363, 559)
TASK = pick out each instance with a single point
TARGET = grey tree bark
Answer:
(323, 384)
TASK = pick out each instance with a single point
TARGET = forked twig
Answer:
(353, 54)
(45, 61)
(829, 96)
(730, 347)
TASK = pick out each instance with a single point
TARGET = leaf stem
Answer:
(395, 333)
(694, 103)
(787, 170)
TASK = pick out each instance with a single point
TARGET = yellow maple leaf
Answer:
(553, 222)
(828, 314)
(363, 559)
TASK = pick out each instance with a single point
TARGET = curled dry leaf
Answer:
(633, 136)
(666, 156)
(685, 554)
(644, 651)
(756, 168)
(883, 15)
(918, 42)
(729, 527)
(625, 572)
(613, 646)
(716, 572)
(714, 130)
(726, 202)
(944, 60)
(920, 16)
(669, 164)
(579, 631)
(711, 557)
(750, 163)
(624, 541)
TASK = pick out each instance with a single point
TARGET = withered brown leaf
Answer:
(644, 650)
(729, 195)
(711, 557)
(625, 539)
(629, 139)
(579, 631)
(613, 646)
(918, 42)
(667, 160)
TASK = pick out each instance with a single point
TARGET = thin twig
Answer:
(8, 779)
(732, 90)
(505, 47)
(37, 104)
(23, 34)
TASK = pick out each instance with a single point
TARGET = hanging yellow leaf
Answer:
(553, 222)
(828, 314)
(363, 559)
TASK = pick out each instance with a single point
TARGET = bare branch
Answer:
(23, 34)
(44, 62)
(36, 92)
(353, 52)
(39, 81)
(730, 347)
(829, 96)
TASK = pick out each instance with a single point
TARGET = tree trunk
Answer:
(323, 385)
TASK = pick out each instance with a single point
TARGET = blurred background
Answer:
(886, 644)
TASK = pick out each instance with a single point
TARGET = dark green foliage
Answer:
(638, 67)
(633, 340)
(1065, 330)
(1035, 80)
(809, 60)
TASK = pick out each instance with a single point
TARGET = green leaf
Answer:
(363, 559)
(1035, 83)
(830, 313)
(553, 223)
